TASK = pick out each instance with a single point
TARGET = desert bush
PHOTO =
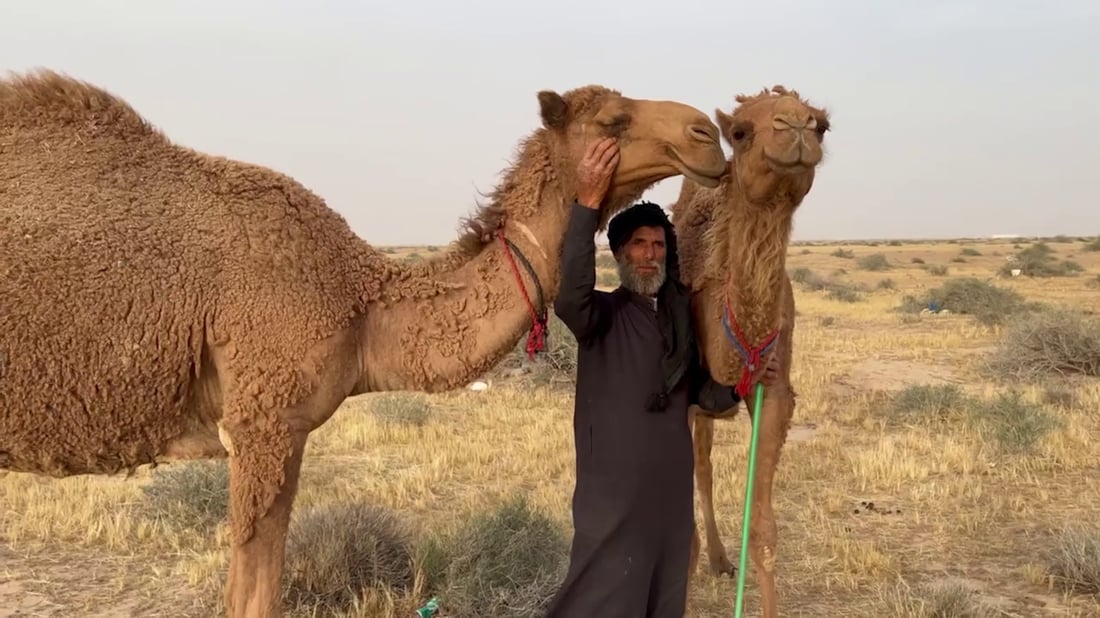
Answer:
(929, 403)
(1060, 395)
(887, 284)
(939, 600)
(970, 251)
(1010, 422)
(334, 553)
(988, 303)
(188, 495)
(843, 253)
(937, 270)
(1016, 425)
(833, 289)
(894, 243)
(401, 408)
(1092, 245)
(917, 260)
(505, 562)
(1062, 341)
(1038, 261)
(874, 262)
(1073, 559)
(1094, 282)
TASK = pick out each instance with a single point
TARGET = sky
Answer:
(949, 117)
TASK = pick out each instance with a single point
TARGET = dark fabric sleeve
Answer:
(583, 311)
(708, 394)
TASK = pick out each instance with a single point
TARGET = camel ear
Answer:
(553, 110)
(725, 123)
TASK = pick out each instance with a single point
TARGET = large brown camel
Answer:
(162, 304)
(733, 248)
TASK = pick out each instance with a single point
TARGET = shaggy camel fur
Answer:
(733, 243)
(161, 304)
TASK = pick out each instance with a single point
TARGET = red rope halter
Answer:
(536, 339)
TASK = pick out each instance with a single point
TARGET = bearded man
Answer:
(638, 370)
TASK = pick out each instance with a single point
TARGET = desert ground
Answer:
(941, 464)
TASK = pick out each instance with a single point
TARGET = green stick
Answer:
(748, 500)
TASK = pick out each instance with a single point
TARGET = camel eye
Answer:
(739, 135)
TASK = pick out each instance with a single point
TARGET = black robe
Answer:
(633, 509)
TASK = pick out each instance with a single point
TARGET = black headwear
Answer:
(673, 301)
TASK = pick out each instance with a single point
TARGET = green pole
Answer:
(748, 501)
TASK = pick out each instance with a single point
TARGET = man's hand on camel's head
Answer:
(595, 170)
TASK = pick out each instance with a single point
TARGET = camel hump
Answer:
(44, 96)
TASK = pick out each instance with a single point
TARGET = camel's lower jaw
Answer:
(709, 182)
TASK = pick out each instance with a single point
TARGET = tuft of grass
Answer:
(833, 289)
(1038, 261)
(191, 495)
(874, 262)
(507, 561)
(1093, 245)
(1015, 425)
(970, 251)
(401, 408)
(938, 600)
(1062, 342)
(1073, 560)
(988, 303)
(929, 403)
(338, 553)
(917, 260)
(843, 253)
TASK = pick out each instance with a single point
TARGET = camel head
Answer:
(777, 139)
(657, 139)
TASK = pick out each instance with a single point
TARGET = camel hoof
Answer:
(723, 567)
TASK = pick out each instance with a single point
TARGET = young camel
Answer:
(163, 304)
(733, 257)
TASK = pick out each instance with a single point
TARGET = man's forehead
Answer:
(648, 232)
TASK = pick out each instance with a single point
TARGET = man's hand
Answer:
(595, 170)
(771, 372)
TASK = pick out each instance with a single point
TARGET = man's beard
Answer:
(645, 284)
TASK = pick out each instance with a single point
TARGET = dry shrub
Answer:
(1092, 245)
(1013, 424)
(874, 262)
(334, 553)
(504, 562)
(940, 600)
(835, 290)
(188, 495)
(401, 408)
(1073, 560)
(988, 303)
(555, 365)
(1062, 342)
(1038, 261)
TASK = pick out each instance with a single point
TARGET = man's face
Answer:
(642, 260)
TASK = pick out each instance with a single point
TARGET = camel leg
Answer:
(777, 412)
(254, 586)
(704, 478)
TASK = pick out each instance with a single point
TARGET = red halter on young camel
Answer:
(733, 247)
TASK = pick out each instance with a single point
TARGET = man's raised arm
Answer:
(577, 304)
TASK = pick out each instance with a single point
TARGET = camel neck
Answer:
(755, 261)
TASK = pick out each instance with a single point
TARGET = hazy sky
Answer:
(950, 117)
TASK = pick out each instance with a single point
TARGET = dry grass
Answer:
(925, 489)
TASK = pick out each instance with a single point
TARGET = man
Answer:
(637, 371)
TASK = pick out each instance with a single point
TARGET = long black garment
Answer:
(633, 512)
